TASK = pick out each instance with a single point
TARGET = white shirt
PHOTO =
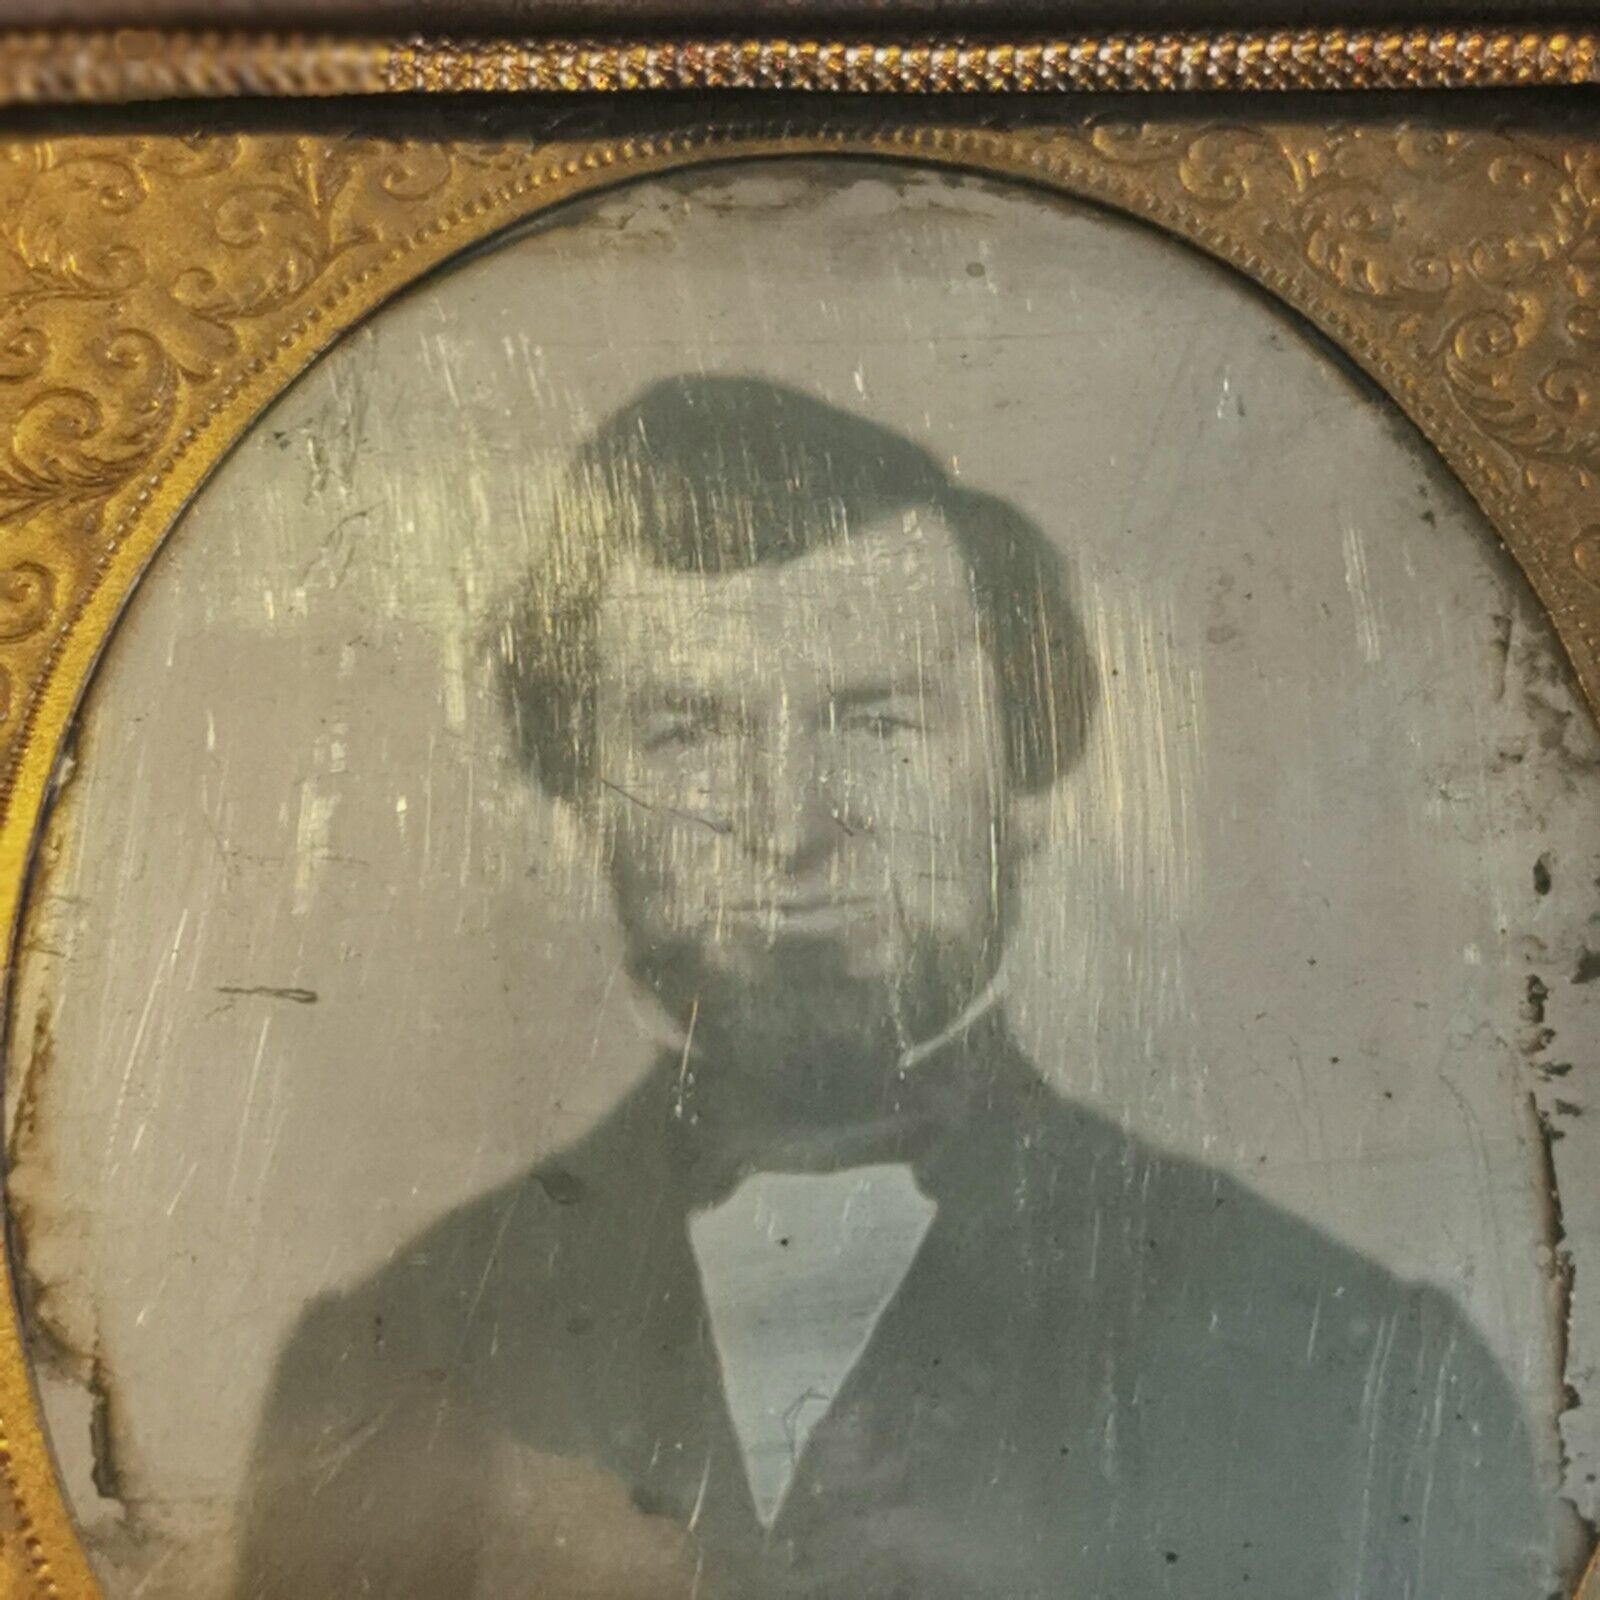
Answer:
(797, 1269)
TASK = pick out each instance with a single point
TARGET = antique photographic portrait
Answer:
(821, 880)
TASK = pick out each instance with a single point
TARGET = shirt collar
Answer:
(980, 1007)
(668, 1037)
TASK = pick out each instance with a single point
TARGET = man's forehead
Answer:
(899, 579)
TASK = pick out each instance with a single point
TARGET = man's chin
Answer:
(802, 1018)
(799, 1000)
(803, 999)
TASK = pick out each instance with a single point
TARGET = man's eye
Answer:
(683, 734)
(879, 724)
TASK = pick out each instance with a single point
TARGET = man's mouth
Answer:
(798, 914)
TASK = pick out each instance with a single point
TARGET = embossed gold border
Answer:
(156, 292)
(55, 66)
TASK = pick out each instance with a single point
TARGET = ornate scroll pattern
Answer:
(155, 292)
(130, 281)
(1462, 268)
(1477, 256)
(136, 276)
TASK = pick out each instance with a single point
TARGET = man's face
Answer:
(800, 780)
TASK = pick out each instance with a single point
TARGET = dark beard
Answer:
(800, 1039)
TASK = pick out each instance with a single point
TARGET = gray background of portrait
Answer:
(1287, 919)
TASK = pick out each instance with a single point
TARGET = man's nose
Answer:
(790, 824)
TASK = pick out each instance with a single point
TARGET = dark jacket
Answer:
(1110, 1374)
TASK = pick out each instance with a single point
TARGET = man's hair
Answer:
(716, 475)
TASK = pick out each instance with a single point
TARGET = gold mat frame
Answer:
(157, 291)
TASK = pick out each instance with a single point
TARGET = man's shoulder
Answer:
(499, 1263)
(1208, 1248)
(411, 1310)
(1249, 1336)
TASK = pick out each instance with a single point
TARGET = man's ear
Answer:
(580, 828)
(1028, 823)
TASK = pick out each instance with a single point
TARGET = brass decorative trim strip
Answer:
(62, 67)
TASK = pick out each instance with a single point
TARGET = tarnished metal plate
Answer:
(825, 879)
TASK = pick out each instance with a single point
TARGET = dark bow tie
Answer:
(924, 1110)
